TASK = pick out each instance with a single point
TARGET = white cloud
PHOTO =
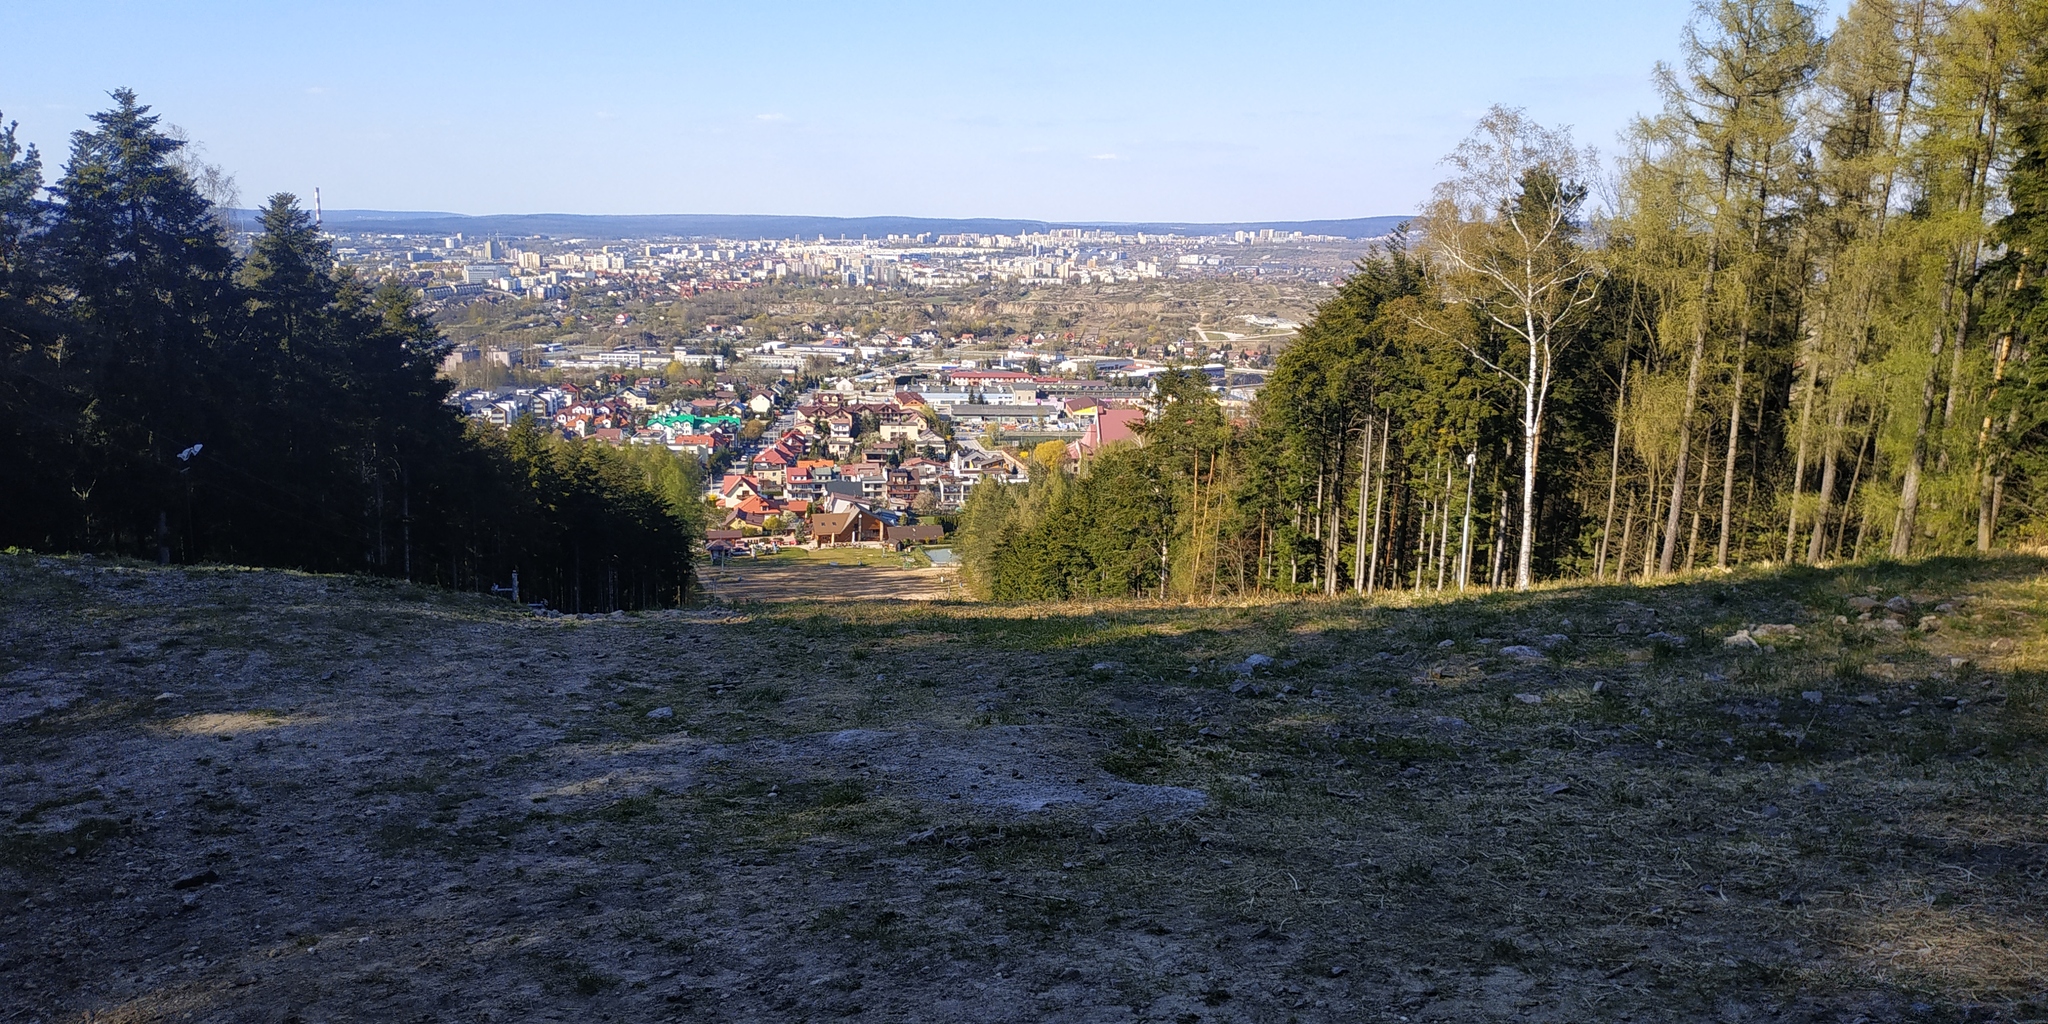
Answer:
(771, 117)
(1105, 156)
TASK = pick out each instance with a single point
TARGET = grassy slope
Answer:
(1851, 824)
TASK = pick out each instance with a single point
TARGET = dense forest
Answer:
(170, 399)
(1793, 322)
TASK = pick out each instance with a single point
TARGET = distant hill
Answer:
(714, 225)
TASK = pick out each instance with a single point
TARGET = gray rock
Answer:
(1529, 698)
(1741, 638)
(1662, 637)
(1810, 696)
(206, 877)
(1522, 652)
(1550, 640)
(1899, 605)
(662, 713)
(1253, 663)
(1444, 644)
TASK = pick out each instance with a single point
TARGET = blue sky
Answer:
(1190, 111)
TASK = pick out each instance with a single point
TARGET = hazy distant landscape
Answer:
(654, 226)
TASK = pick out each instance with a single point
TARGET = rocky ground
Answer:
(264, 796)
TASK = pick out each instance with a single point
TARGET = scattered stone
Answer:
(1774, 631)
(662, 713)
(1662, 637)
(1810, 696)
(1550, 640)
(167, 695)
(1449, 722)
(1899, 605)
(1557, 787)
(1599, 685)
(1244, 687)
(206, 877)
(1253, 663)
(1320, 692)
(1110, 666)
(1864, 604)
(1959, 663)
(1929, 623)
(1741, 638)
(1945, 608)
(1337, 972)
(1529, 698)
(1891, 625)
(1522, 652)
(1445, 644)
(1866, 698)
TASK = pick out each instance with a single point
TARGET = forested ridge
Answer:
(1794, 321)
(168, 399)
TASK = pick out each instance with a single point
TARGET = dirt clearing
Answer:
(258, 796)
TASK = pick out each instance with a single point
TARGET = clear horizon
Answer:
(1190, 113)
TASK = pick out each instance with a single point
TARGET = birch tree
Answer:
(1503, 229)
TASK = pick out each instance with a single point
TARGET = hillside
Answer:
(264, 796)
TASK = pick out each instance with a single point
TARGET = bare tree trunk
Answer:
(1855, 477)
(1907, 519)
(1500, 533)
(1532, 435)
(1379, 505)
(1728, 469)
(1443, 542)
(1628, 528)
(1650, 524)
(1465, 531)
(1317, 521)
(1364, 489)
(1699, 501)
(1692, 396)
(1613, 473)
(1799, 463)
(1991, 482)
(1336, 525)
(1962, 262)
(1830, 469)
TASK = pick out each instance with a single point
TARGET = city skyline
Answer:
(1143, 113)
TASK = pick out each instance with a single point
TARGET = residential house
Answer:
(738, 487)
(1106, 427)
(854, 526)
(922, 533)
